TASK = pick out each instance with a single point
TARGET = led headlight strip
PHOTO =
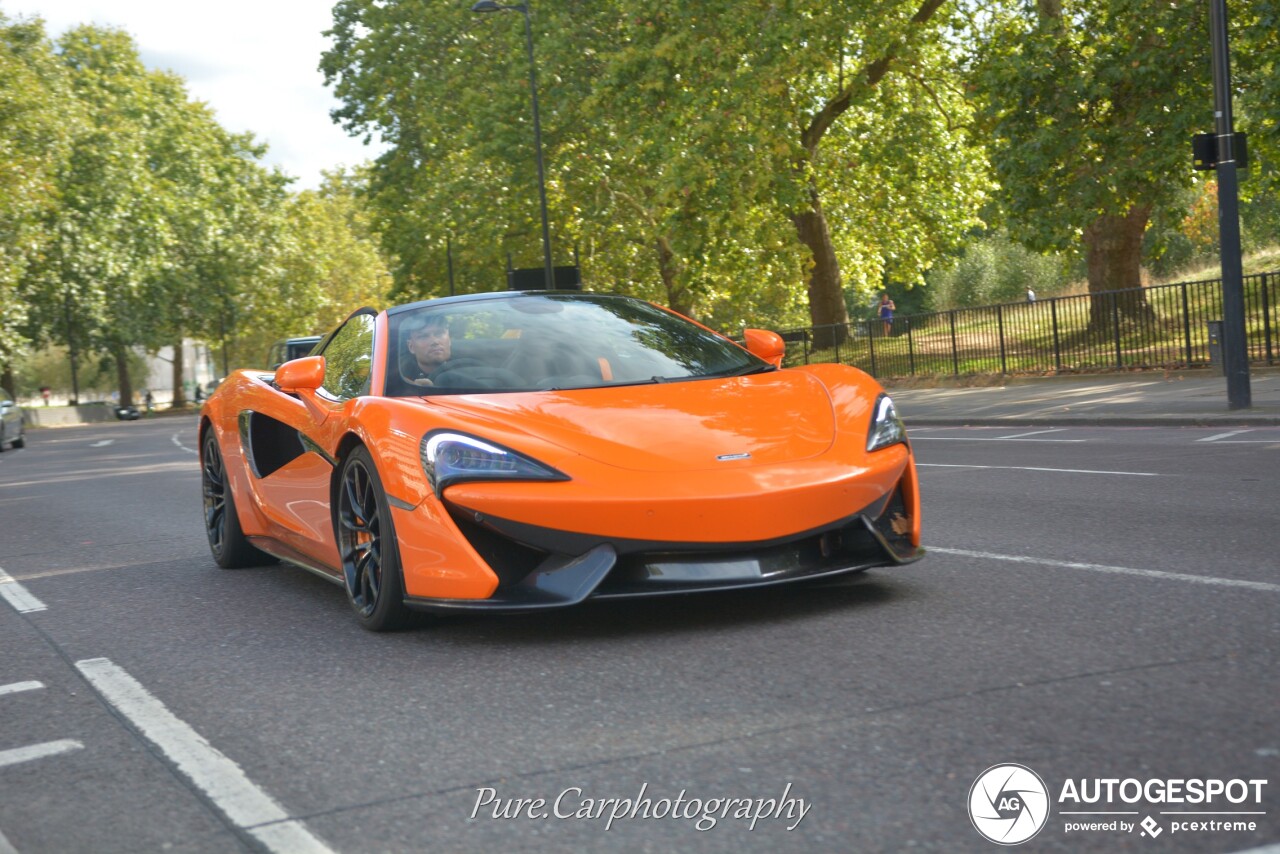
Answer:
(449, 457)
(886, 427)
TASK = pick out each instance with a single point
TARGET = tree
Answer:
(109, 230)
(164, 220)
(692, 149)
(1091, 105)
(325, 265)
(38, 117)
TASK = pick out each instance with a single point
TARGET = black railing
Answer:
(1163, 326)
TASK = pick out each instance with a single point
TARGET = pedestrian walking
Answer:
(886, 313)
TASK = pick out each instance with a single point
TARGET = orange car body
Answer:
(690, 478)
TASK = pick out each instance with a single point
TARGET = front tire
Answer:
(227, 542)
(367, 546)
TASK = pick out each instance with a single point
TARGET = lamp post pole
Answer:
(1235, 356)
(491, 6)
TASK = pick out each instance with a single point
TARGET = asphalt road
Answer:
(1098, 603)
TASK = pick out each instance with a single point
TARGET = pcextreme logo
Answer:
(1008, 804)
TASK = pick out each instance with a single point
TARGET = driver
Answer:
(429, 344)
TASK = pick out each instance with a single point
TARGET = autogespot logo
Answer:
(1008, 804)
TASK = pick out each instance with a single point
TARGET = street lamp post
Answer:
(1235, 356)
(492, 6)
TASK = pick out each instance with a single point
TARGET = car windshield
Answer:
(527, 342)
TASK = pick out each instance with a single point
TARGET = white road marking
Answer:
(38, 751)
(6, 847)
(1036, 468)
(19, 687)
(18, 596)
(102, 444)
(1246, 441)
(104, 472)
(1222, 436)
(225, 782)
(986, 439)
(178, 442)
(1032, 433)
(1118, 570)
(1266, 849)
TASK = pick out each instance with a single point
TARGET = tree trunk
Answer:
(7, 385)
(827, 311)
(1113, 250)
(669, 270)
(179, 371)
(121, 354)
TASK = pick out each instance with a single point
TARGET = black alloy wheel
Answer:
(367, 546)
(230, 548)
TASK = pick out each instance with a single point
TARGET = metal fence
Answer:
(1165, 326)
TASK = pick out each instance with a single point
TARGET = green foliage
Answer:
(995, 269)
(96, 374)
(325, 265)
(38, 117)
(130, 219)
(681, 141)
(1185, 236)
(1090, 106)
(1088, 111)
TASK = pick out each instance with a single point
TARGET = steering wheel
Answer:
(476, 374)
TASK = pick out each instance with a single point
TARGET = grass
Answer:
(1052, 336)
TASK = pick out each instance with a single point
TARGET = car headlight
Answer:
(451, 457)
(886, 427)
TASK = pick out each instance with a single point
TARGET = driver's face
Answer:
(430, 346)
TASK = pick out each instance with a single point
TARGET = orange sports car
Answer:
(525, 450)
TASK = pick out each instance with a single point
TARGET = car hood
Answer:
(777, 417)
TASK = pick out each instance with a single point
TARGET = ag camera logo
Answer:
(1008, 804)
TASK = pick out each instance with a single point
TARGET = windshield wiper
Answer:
(747, 371)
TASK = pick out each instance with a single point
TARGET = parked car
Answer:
(521, 451)
(288, 349)
(13, 425)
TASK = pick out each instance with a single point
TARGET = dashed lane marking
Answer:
(38, 751)
(222, 780)
(19, 687)
(1222, 436)
(1033, 433)
(18, 596)
(1157, 574)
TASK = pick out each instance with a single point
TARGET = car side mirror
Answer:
(765, 344)
(305, 374)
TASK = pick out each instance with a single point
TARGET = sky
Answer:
(254, 62)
